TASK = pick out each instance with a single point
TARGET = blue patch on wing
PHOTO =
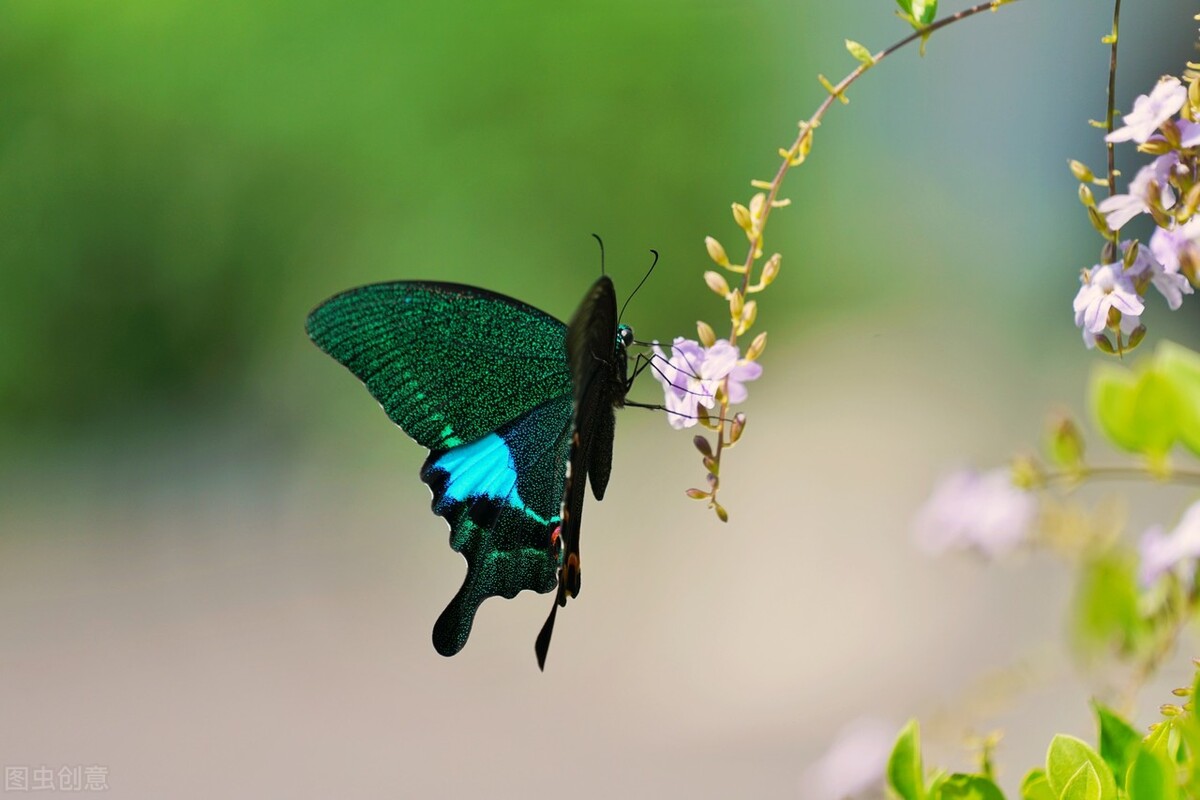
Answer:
(483, 468)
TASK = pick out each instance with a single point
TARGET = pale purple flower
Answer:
(692, 375)
(1161, 553)
(856, 762)
(1170, 284)
(1150, 111)
(1189, 133)
(723, 358)
(683, 387)
(1105, 287)
(1172, 246)
(969, 510)
(1120, 208)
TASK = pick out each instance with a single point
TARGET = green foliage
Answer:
(1036, 787)
(919, 13)
(1119, 742)
(966, 787)
(1151, 777)
(904, 771)
(1075, 771)
(1150, 409)
(1106, 604)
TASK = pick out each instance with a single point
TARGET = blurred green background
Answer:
(217, 567)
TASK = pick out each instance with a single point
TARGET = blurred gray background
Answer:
(218, 571)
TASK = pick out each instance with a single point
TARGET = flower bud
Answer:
(702, 445)
(1156, 147)
(771, 268)
(1081, 171)
(716, 252)
(697, 494)
(1085, 195)
(711, 465)
(1190, 201)
(705, 333)
(716, 281)
(1131, 253)
(741, 215)
(736, 427)
(736, 303)
(1104, 344)
(749, 315)
(756, 206)
(756, 347)
(722, 514)
(1065, 443)
(1136, 336)
(1026, 474)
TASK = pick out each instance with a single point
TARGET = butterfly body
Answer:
(504, 397)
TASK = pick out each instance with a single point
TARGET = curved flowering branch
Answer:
(708, 393)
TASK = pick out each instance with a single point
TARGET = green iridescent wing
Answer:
(482, 380)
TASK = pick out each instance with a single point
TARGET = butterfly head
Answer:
(624, 336)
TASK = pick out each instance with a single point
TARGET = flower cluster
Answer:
(694, 375)
(1111, 299)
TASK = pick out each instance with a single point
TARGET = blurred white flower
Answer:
(969, 510)
(856, 762)
(1160, 552)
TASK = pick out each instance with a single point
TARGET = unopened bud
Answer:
(736, 427)
(736, 304)
(708, 336)
(756, 206)
(1065, 442)
(1135, 337)
(1081, 171)
(1086, 197)
(716, 281)
(697, 494)
(756, 347)
(771, 268)
(741, 215)
(749, 315)
(722, 514)
(1131, 253)
(702, 445)
(716, 252)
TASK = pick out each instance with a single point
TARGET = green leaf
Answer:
(904, 771)
(905, 6)
(1036, 787)
(1083, 785)
(1065, 762)
(862, 54)
(1119, 742)
(1181, 367)
(924, 10)
(1138, 412)
(1159, 739)
(1106, 609)
(967, 787)
(1151, 777)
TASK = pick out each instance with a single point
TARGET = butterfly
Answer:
(505, 398)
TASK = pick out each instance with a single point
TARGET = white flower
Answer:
(1170, 284)
(1161, 553)
(1105, 287)
(1120, 208)
(1150, 111)
(971, 510)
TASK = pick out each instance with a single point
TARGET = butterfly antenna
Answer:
(639, 286)
(596, 236)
